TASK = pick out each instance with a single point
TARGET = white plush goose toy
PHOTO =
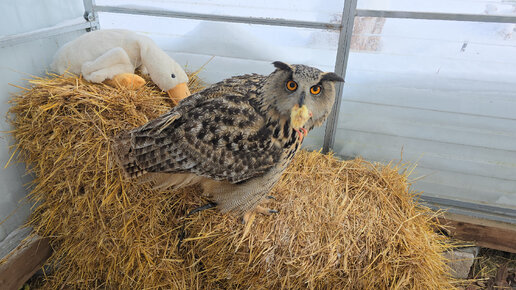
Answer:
(114, 55)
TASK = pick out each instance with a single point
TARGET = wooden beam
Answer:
(489, 234)
(22, 261)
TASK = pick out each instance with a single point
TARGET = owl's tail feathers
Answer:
(123, 155)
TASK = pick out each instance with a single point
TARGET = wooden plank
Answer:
(484, 233)
(23, 261)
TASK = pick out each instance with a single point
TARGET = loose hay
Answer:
(348, 224)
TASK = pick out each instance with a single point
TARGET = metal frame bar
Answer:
(223, 18)
(341, 63)
(436, 16)
(41, 33)
(91, 15)
(487, 212)
(472, 206)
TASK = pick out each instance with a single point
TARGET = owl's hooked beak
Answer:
(299, 115)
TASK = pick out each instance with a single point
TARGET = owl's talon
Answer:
(301, 136)
(264, 210)
(182, 233)
(246, 217)
(268, 199)
(301, 132)
(201, 208)
(258, 209)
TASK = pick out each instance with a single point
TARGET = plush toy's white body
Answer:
(103, 54)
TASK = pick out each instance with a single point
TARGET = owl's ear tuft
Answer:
(282, 66)
(332, 77)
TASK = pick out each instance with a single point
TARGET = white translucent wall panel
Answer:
(305, 10)
(231, 49)
(491, 7)
(19, 16)
(442, 93)
(18, 63)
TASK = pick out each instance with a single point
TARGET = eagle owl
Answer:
(234, 138)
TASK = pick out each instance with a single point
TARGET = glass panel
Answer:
(29, 15)
(441, 94)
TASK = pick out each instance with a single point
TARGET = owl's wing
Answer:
(223, 138)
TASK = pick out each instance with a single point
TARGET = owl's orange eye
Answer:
(315, 90)
(291, 86)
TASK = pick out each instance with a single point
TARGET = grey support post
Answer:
(91, 15)
(346, 31)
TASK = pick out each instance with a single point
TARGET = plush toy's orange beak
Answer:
(178, 93)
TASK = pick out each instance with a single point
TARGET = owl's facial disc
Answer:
(303, 94)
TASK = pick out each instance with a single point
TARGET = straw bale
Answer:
(341, 224)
